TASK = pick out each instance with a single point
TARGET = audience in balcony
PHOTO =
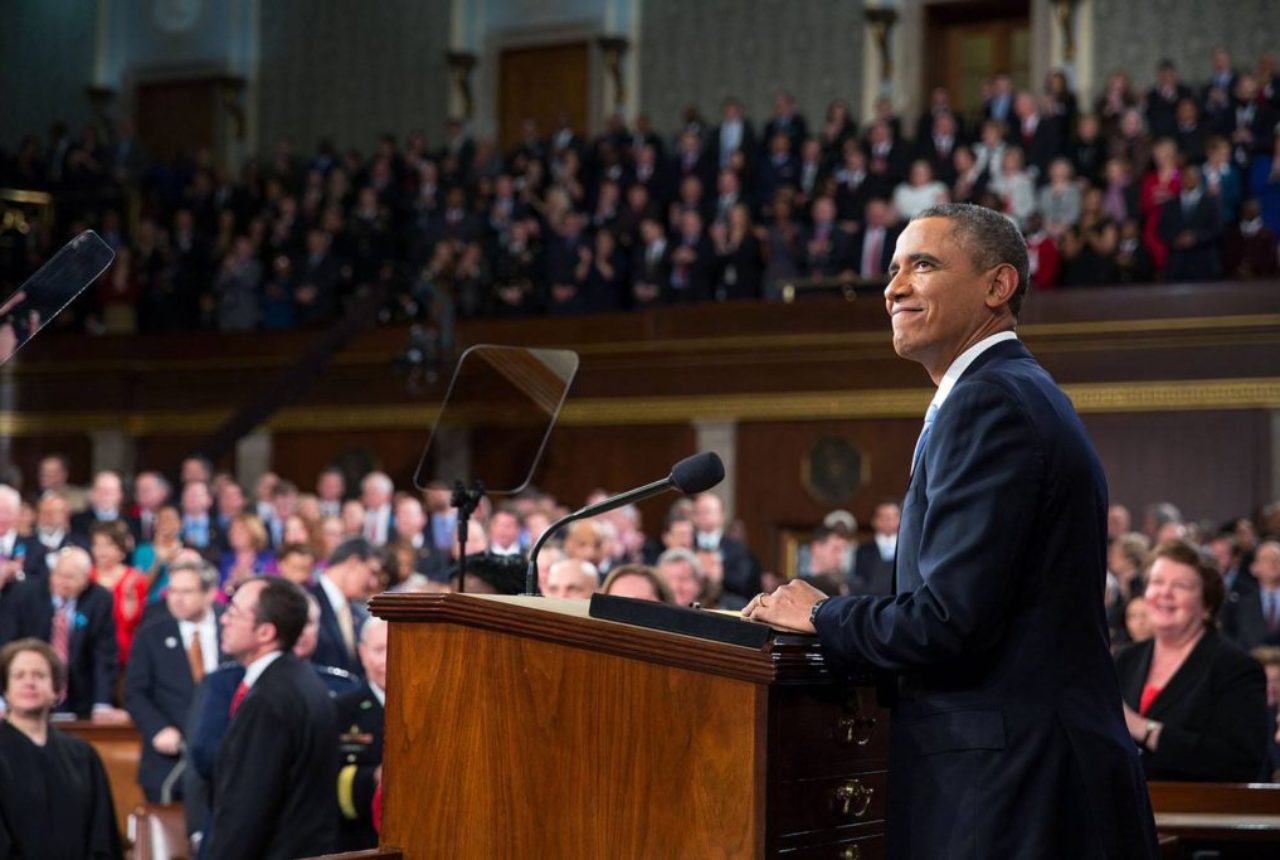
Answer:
(566, 225)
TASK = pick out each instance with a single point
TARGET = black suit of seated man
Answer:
(273, 794)
(65, 605)
(171, 654)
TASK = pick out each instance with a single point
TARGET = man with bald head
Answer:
(73, 615)
(572, 578)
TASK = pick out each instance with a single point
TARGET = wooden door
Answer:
(177, 118)
(967, 42)
(543, 83)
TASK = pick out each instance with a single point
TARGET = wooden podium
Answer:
(523, 727)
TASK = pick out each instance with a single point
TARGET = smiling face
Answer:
(939, 303)
(1175, 598)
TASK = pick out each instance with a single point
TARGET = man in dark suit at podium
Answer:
(1007, 737)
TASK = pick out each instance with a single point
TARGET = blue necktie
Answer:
(929, 416)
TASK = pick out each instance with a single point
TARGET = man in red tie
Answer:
(273, 782)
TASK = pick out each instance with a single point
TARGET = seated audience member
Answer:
(52, 533)
(273, 792)
(1015, 187)
(171, 656)
(739, 264)
(585, 541)
(1222, 180)
(1269, 657)
(873, 245)
(55, 800)
(680, 570)
(343, 587)
(504, 532)
(1189, 228)
(873, 561)
(73, 615)
(1264, 184)
(106, 504)
(1249, 246)
(919, 192)
(199, 527)
(155, 556)
(247, 554)
(1058, 201)
(1089, 246)
(741, 569)
(826, 249)
(1133, 259)
(297, 563)
(637, 581)
(1137, 620)
(1253, 618)
(827, 566)
(1193, 702)
(360, 722)
(111, 544)
(1043, 256)
(501, 574)
(13, 546)
(572, 578)
(376, 490)
(677, 533)
(1127, 556)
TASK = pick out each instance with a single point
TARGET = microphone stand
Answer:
(466, 501)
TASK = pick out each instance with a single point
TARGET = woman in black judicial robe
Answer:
(55, 801)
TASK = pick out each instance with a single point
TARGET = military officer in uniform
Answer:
(360, 719)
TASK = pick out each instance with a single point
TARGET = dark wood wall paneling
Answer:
(771, 495)
(165, 453)
(1212, 465)
(26, 451)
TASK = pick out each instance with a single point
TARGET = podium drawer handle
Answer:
(853, 798)
(851, 852)
(855, 729)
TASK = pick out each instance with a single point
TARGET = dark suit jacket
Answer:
(886, 249)
(1007, 738)
(93, 658)
(1214, 711)
(1242, 620)
(37, 558)
(273, 791)
(83, 522)
(330, 649)
(1203, 260)
(360, 722)
(871, 573)
(158, 692)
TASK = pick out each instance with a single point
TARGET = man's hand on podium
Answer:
(787, 607)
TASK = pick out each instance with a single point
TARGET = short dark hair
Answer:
(283, 604)
(356, 547)
(115, 531)
(10, 652)
(991, 238)
(646, 573)
(296, 549)
(1212, 589)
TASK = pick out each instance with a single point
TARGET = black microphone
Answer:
(691, 475)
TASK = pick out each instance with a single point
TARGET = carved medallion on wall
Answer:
(833, 470)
